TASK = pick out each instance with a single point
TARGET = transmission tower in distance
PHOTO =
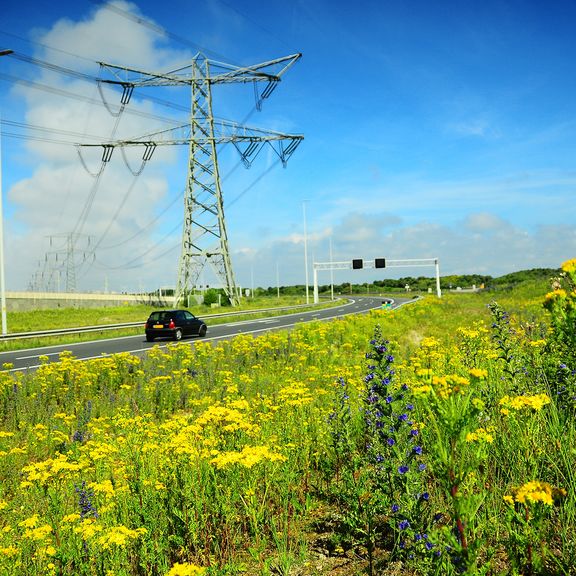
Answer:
(204, 237)
(68, 263)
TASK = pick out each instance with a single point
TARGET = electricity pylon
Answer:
(204, 237)
(68, 262)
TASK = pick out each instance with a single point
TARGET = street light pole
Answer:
(331, 272)
(306, 253)
(2, 280)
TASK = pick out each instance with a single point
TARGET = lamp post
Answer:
(306, 253)
(2, 281)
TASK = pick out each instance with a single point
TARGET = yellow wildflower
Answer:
(185, 569)
(481, 435)
(569, 266)
(104, 487)
(535, 491)
(38, 533)
(88, 528)
(509, 499)
(535, 402)
(119, 536)
(29, 522)
(248, 457)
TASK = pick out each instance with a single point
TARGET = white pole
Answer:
(306, 253)
(2, 280)
(277, 281)
(331, 273)
(315, 285)
(438, 278)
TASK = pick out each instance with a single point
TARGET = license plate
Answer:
(158, 326)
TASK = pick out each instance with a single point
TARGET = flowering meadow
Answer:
(437, 439)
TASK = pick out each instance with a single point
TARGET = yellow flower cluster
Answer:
(186, 569)
(51, 469)
(481, 435)
(247, 457)
(522, 402)
(558, 294)
(295, 394)
(119, 536)
(226, 419)
(569, 266)
(450, 384)
(535, 491)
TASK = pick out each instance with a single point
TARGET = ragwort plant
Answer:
(459, 436)
(561, 304)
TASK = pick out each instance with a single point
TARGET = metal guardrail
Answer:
(104, 327)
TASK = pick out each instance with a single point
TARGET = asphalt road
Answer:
(28, 359)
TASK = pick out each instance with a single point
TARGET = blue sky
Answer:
(442, 129)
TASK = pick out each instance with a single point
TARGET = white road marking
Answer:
(38, 355)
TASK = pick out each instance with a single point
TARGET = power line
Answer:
(86, 77)
(129, 264)
(55, 131)
(81, 97)
(148, 225)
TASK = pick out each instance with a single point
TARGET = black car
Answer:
(173, 324)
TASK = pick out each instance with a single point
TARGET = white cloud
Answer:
(483, 222)
(479, 128)
(483, 243)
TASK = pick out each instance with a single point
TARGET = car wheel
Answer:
(202, 331)
(149, 338)
(177, 334)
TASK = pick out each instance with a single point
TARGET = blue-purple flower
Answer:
(403, 524)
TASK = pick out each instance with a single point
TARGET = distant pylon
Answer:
(204, 236)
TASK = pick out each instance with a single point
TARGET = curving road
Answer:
(23, 360)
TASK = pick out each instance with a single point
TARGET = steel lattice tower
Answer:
(204, 237)
(203, 197)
